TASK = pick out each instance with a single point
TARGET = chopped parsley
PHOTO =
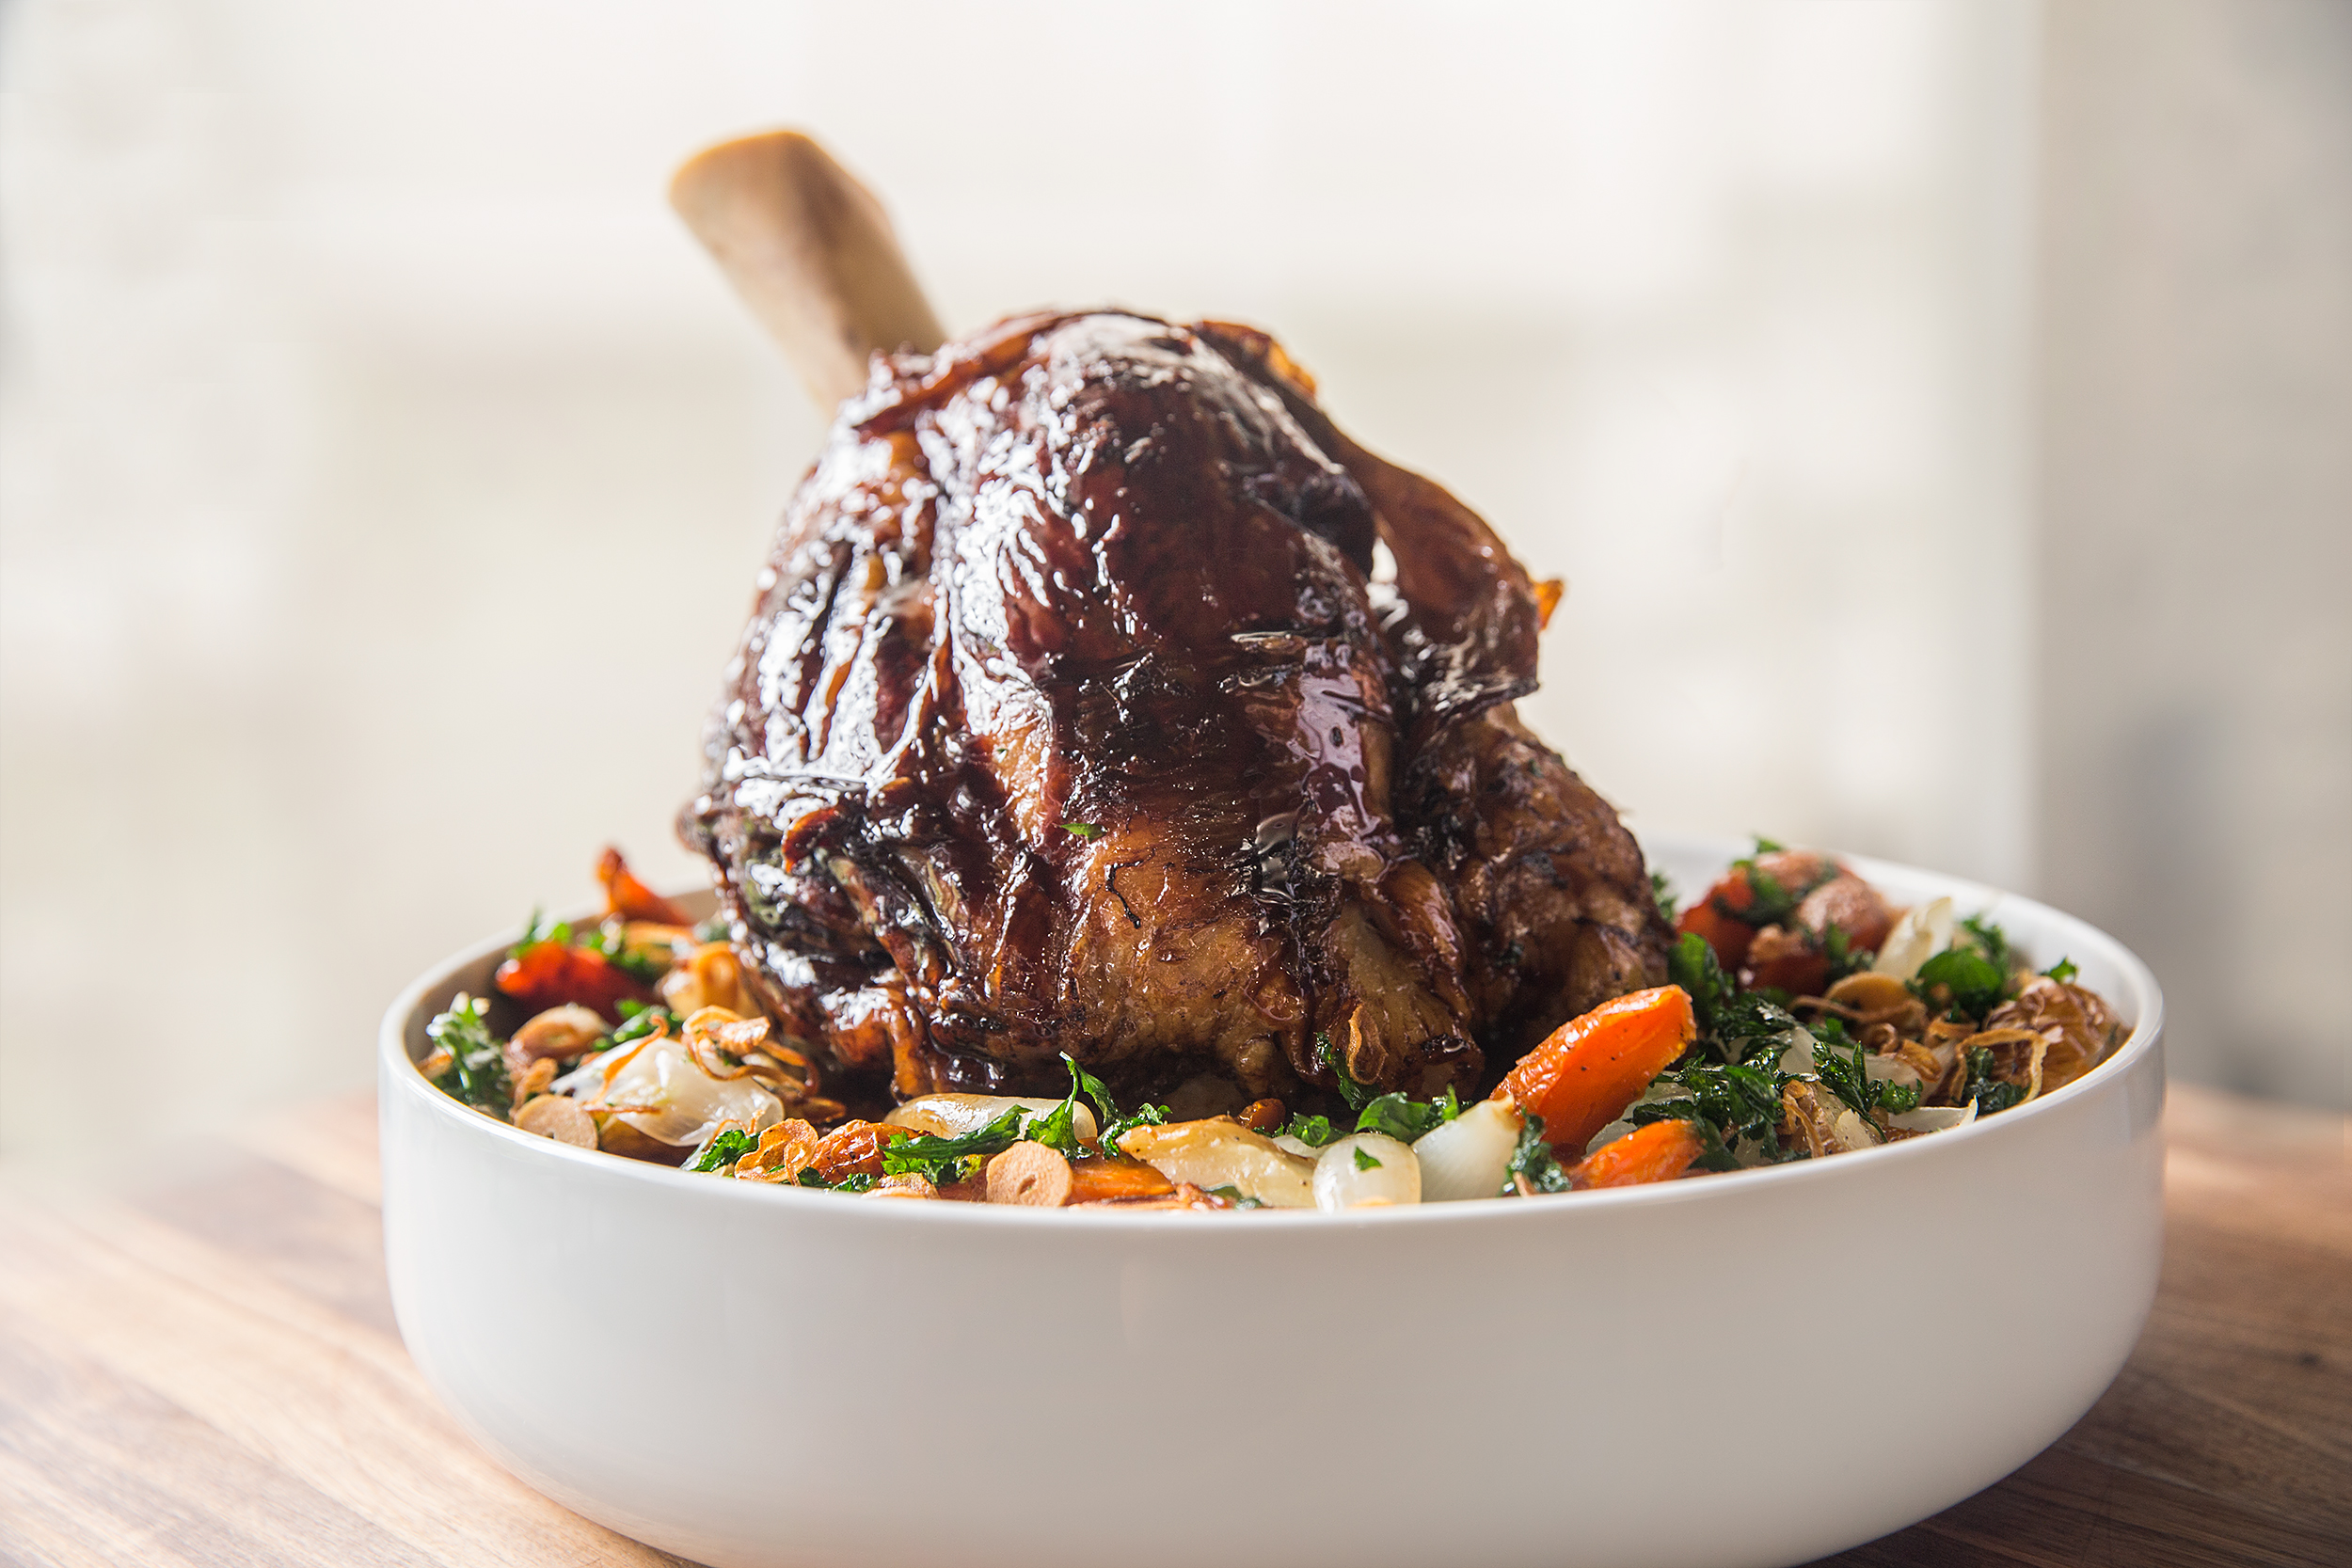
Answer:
(856, 1182)
(1405, 1119)
(1234, 1196)
(476, 1072)
(942, 1159)
(1735, 1107)
(1365, 1159)
(1357, 1095)
(1692, 966)
(639, 1021)
(1112, 1126)
(1119, 1127)
(730, 1145)
(1771, 903)
(1840, 1063)
(1314, 1131)
(1057, 1129)
(1534, 1167)
(1662, 893)
(1845, 957)
(1992, 1095)
(1992, 939)
(605, 940)
(2063, 972)
(1973, 981)
(1082, 829)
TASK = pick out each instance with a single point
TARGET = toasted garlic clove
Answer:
(951, 1116)
(558, 1117)
(1213, 1154)
(1469, 1156)
(1029, 1174)
(1853, 1132)
(560, 1033)
(1934, 1119)
(912, 1184)
(1366, 1170)
(532, 1082)
(1925, 930)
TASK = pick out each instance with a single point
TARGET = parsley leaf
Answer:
(1692, 966)
(1119, 1127)
(1405, 1119)
(1838, 1061)
(856, 1182)
(731, 1145)
(1314, 1131)
(1110, 1125)
(1992, 1095)
(1662, 893)
(1057, 1129)
(642, 967)
(1845, 957)
(1082, 829)
(2063, 972)
(1973, 981)
(1365, 1159)
(1357, 1095)
(476, 1072)
(1992, 939)
(925, 1154)
(1534, 1167)
(643, 1020)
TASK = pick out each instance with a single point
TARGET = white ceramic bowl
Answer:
(1754, 1369)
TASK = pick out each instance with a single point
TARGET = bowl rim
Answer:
(2147, 1031)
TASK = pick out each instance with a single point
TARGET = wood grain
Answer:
(208, 1373)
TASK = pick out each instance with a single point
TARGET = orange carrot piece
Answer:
(1592, 1068)
(1727, 934)
(550, 974)
(631, 899)
(1661, 1152)
(1114, 1177)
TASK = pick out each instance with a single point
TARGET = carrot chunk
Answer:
(550, 974)
(1592, 1068)
(1726, 932)
(631, 899)
(1661, 1152)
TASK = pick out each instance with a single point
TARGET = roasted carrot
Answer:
(550, 974)
(1661, 1152)
(1592, 1068)
(631, 899)
(1727, 934)
(1115, 1176)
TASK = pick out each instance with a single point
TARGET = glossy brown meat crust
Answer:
(1070, 718)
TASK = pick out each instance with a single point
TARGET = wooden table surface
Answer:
(206, 1371)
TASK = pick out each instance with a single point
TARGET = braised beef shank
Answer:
(1075, 716)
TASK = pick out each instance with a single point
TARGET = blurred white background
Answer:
(1942, 412)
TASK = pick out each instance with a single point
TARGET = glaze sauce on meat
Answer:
(1071, 716)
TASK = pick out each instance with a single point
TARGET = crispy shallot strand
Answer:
(713, 1061)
